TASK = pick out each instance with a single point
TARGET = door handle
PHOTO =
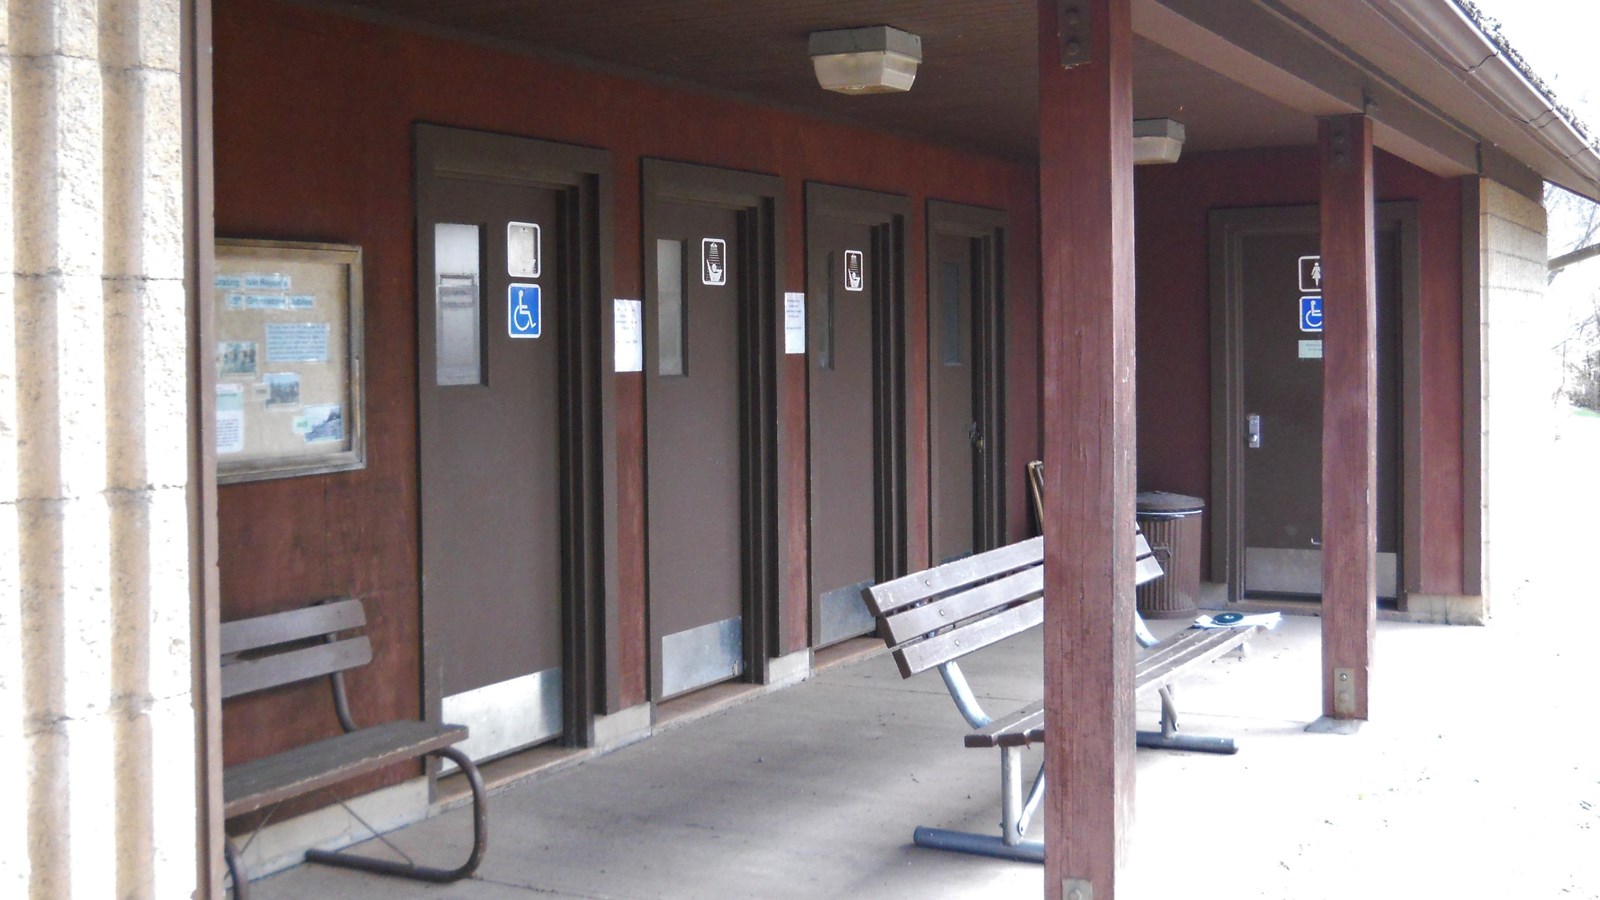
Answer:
(1253, 424)
(974, 436)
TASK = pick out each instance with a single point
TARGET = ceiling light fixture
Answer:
(1156, 141)
(874, 60)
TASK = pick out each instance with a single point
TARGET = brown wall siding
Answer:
(313, 117)
(1174, 321)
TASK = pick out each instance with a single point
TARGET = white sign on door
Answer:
(627, 335)
(713, 261)
(855, 271)
(1310, 274)
(522, 250)
(794, 323)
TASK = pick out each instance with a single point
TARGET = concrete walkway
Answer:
(1478, 777)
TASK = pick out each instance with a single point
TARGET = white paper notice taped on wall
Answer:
(794, 323)
(628, 335)
(230, 418)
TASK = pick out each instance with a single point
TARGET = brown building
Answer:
(606, 357)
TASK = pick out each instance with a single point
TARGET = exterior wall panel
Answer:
(313, 116)
(1173, 323)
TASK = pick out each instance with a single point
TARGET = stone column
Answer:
(1521, 377)
(97, 721)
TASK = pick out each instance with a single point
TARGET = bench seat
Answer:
(1159, 667)
(250, 786)
(325, 640)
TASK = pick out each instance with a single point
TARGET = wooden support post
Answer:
(1086, 256)
(1349, 418)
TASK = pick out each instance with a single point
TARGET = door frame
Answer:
(1227, 227)
(988, 325)
(758, 198)
(888, 215)
(583, 175)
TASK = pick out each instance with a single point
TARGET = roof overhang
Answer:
(1441, 93)
(1237, 73)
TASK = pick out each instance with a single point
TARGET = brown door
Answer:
(1281, 390)
(855, 293)
(696, 284)
(964, 408)
(956, 443)
(493, 303)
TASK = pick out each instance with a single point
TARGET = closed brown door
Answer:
(1281, 389)
(696, 287)
(966, 453)
(957, 442)
(491, 321)
(855, 294)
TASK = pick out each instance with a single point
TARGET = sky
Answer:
(1558, 38)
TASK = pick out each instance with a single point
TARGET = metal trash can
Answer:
(1172, 525)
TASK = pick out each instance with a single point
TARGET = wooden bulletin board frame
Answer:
(289, 359)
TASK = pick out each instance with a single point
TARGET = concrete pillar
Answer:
(1520, 377)
(97, 723)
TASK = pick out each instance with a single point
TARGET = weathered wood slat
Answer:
(914, 622)
(248, 676)
(1022, 727)
(253, 785)
(1159, 668)
(293, 625)
(1146, 569)
(891, 595)
(924, 655)
(1166, 663)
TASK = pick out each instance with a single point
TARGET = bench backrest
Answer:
(1146, 569)
(282, 648)
(933, 617)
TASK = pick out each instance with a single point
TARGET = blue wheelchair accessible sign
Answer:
(1311, 314)
(522, 311)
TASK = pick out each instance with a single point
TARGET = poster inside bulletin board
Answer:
(288, 332)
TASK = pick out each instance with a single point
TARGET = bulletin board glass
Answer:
(288, 354)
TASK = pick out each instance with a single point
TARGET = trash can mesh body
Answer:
(1172, 525)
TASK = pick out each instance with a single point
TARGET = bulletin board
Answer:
(288, 354)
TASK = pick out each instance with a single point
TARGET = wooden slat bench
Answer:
(931, 619)
(315, 642)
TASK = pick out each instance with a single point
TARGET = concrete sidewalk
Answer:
(1477, 777)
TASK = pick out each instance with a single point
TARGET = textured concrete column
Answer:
(1521, 493)
(97, 723)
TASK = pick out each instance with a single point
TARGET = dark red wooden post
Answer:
(1086, 255)
(1349, 417)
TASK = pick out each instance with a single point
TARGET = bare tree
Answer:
(1575, 228)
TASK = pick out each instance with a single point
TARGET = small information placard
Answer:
(627, 335)
(855, 270)
(1311, 315)
(794, 323)
(1310, 349)
(713, 261)
(524, 311)
(1311, 274)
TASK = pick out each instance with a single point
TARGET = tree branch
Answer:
(1576, 256)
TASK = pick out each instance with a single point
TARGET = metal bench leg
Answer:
(1035, 797)
(241, 885)
(1168, 737)
(480, 838)
(1009, 843)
